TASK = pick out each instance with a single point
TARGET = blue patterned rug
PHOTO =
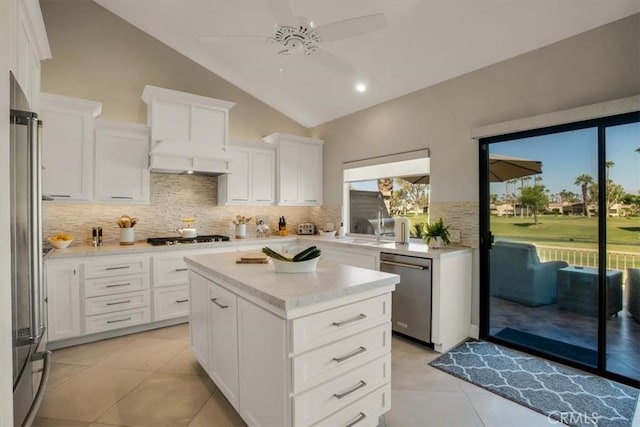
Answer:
(565, 394)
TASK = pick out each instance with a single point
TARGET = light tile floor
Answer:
(151, 379)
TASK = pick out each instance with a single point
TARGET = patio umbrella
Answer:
(503, 168)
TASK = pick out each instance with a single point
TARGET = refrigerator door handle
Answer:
(37, 294)
(37, 401)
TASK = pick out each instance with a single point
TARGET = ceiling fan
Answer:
(294, 35)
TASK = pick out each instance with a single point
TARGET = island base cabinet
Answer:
(223, 341)
(199, 319)
(263, 360)
(365, 412)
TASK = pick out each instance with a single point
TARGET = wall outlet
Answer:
(454, 236)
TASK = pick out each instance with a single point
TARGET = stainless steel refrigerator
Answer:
(28, 299)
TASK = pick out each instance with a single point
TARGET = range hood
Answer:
(188, 158)
(189, 132)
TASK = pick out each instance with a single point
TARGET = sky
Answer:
(567, 155)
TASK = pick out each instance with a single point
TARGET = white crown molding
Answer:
(153, 92)
(67, 103)
(276, 137)
(33, 15)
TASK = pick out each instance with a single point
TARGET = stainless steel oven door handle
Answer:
(403, 264)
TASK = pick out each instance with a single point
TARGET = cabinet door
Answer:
(310, 174)
(122, 173)
(288, 163)
(170, 121)
(223, 341)
(66, 155)
(263, 176)
(199, 318)
(67, 146)
(238, 180)
(63, 290)
(208, 126)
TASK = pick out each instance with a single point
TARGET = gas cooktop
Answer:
(162, 241)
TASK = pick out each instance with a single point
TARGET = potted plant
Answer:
(436, 234)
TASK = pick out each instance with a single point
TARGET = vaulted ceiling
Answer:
(418, 43)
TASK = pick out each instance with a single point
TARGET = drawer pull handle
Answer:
(60, 195)
(361, 416)
(118, 302)
(182, 300)
(181, 269)
(355, 319)
(351, 390)
(122, 197)
(118, 285)
(350, 355)
(122, 267)
(119, 320)
(215, 301)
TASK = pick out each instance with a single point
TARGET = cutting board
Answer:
(253, 258)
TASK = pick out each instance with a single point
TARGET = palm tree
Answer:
(583, 181)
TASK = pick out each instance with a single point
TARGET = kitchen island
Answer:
(294, 349)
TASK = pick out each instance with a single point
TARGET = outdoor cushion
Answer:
(518, 275)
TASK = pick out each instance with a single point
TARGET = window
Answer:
(375, 193)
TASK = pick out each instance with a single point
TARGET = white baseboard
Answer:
(474, 331)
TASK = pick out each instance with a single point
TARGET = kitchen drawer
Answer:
(169, 271)
(362, 413)
(321, 328)
(117, 302)
(335, 359)
(121, 319)
(115, 266)
(170, 302)
(115, 285)
(313, 405)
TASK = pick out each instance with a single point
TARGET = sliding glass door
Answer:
(560, 237)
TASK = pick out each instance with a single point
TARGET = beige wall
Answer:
(99, 56)
(596, 66)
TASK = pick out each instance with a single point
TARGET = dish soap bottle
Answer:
(341, 231)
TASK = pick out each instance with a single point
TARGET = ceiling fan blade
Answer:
(351, 27)
(330, 61)
(282, 13)
(222, 37)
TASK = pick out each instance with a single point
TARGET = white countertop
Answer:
(290, 291)
(414, 248)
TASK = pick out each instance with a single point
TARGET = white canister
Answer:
(241, 231)
(127, 236)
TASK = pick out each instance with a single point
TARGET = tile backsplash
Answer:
(172, 198)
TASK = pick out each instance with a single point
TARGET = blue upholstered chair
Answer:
(518, 275)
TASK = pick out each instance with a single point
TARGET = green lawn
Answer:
(623, 234)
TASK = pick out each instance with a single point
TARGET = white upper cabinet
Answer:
(67, 146)
(121, 162)
(299, 170)
(188, 132)
(29, 46)
(251, 178)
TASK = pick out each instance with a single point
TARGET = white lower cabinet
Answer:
(63, 290)
(355, 258)
(331, 367)
(171, 302)
(223, 341)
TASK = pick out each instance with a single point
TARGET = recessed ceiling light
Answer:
(361, 87)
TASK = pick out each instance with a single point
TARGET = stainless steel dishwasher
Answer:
(411, 301)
